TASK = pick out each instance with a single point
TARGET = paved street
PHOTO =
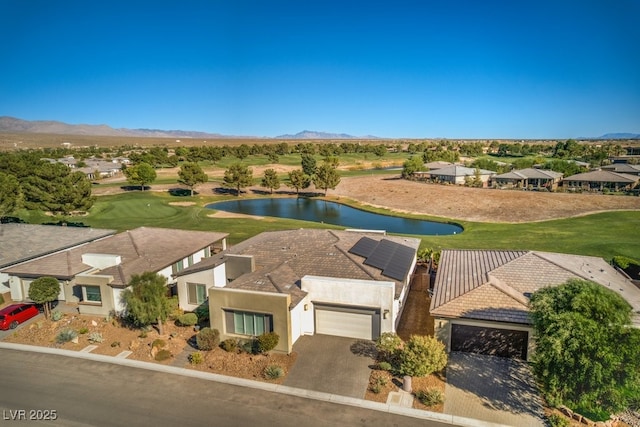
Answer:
(90, 393)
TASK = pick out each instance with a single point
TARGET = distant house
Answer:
(93, 168)
(20, 243)
(480, 302)
(301, 282)
(95, 274)
(601, 180)
(623, 168)
(529, 178)
(456, 174)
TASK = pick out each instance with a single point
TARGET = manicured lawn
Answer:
(605, 234)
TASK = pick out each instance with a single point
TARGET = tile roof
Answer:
(494, 285)
(282, 258)
(23, 242)
(529, 173)
(603, 176)
(142, 249)
(623, 168)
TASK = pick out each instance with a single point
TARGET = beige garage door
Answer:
(344, 322)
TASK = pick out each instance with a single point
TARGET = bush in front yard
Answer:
(207, 339)
(187, 319)
(389, 345)
(196, 358)
(95, 337)
(421, 356)
(230, 345)
(66, 335)
(267, 342)
(429, 397)
(273, 372)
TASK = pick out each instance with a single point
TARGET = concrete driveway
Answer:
(493, 389)
(331, 364)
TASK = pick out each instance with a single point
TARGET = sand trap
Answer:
(222, 214)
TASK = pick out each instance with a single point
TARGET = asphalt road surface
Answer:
(52, 390)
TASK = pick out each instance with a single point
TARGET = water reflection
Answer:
(333, 213)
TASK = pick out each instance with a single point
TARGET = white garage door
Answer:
(345, 323)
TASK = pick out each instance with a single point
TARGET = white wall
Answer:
(302, 320)
(119, 306)
(365, 293)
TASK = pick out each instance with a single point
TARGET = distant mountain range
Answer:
(14, 125)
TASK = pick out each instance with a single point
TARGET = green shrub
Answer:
(207, 339)
(388, 345)
(385, 366)
(187, 319)
(196, 358)
(273, 372)
(163, 355)
(95, 337)
(202, 312)
(143, 334)
(247, 346)
(174, 308)
(421, 356)
(267, 342)
(66, 335)
(158, 343)
(83, 330)
(557, 420)
(1, 299)
(56, 315)
(229, 345)
(429, 397)
(624, 262)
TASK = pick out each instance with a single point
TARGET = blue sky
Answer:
(413, 69)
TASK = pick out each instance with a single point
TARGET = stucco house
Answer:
(457, 174)
(530, 178)
(601, 180)
(481, 297)
(94, 275)
(300, 282)
(20, 243)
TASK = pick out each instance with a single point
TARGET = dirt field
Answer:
(453, 202)
(476, 204)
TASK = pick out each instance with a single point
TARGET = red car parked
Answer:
(11, 316)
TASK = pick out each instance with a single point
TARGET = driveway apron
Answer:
(331, 364)
(493, 389)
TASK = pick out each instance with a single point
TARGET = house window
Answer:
(190, 260)
(197, 293)
(178, 266)
(247, 323)
(91, 294)
(207, 251)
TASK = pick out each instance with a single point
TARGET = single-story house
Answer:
(348, 283)
(623, 168)
(457, 174)
(94, 275)
(529, 178)
(480, 299)
(20, 243)
(601, 180)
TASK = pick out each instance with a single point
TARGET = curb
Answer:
(258, 385)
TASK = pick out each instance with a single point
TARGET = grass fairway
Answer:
(604, 234)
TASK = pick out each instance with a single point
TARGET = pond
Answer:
(334, 213)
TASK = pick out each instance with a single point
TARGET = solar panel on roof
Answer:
(382, 254)
(400, 263)
(364, 247)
